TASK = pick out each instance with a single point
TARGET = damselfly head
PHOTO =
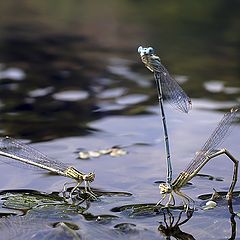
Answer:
(145, 51)
(89, 177)
(165, 188)
(234, 109)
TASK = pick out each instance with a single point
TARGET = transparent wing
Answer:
(171, 90)
(173, 93)
(216, 138)
(14, 149)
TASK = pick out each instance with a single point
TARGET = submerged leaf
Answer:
(126, 227)
(39, 225)
(65, 230)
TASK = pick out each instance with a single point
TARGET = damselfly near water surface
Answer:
(207, 152)
(168, 87)
(14, 149)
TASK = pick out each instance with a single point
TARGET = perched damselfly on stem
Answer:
(14, 149)
(207, 152)
(169, 88)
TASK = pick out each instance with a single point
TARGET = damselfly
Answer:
(207, 152)
(167, 86)
(14, 149)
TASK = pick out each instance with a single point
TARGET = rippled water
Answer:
(71, 80)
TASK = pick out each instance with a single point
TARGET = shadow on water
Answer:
(60, 90)
(37, 99)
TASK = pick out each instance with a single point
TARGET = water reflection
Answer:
(45, 61)
(172, 220)
(59, 96)
(12, 73)
(232, 220)
(170, 227)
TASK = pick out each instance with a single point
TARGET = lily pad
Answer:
(27, 199)
(222, 194)
(142, 210)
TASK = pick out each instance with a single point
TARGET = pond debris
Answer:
(115, 151)
(210, 205)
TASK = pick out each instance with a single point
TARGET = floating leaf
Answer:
(142, 210)
(27, 200)
(222, 195)
(105, 219)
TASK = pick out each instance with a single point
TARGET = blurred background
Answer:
(64, 64)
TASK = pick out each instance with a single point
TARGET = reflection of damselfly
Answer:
(170, 226)
(202, 157)
(16, 150)
(173, 93)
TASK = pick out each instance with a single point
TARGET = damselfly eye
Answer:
(140, 49)
(150, 50)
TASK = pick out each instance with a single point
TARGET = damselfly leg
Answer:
(235, 169)
(207, 152)
(14, 149)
